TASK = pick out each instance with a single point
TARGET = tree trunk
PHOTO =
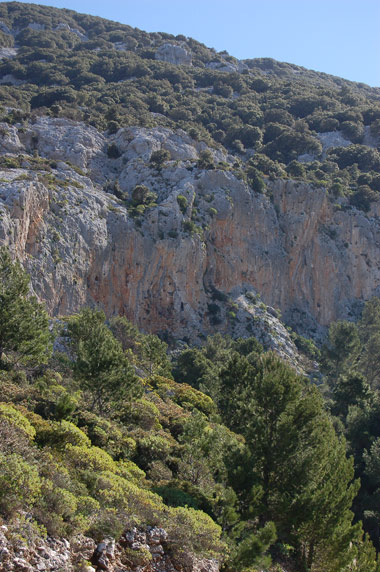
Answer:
(310, 556)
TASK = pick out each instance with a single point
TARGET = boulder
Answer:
(174, 54)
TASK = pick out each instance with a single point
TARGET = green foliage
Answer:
(206, 160)
(143, 413)
(204, 535)
(82, 457)
(252, 548)
(15, 417)
(365, 158)
(154, 355)
(20, 484)
(107, 434)
(278, 112)
(183, 394)
(100, 365)
(125, 332)
(24, 331)
(363, 198)
(255, 180)
(342, 349)
(141, 195)
(306, 346)
(182, 202)
(158, 158)
(60, 434)
(292, 443)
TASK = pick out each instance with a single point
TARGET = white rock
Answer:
(174, 54)
(7, 53)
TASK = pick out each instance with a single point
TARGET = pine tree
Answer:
(101, 366)
(302, 477)
(24, 323)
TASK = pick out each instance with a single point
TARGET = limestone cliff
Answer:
(181, 269)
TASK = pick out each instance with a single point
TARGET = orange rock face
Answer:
(182, 273)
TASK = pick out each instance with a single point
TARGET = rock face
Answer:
(174, 54)
(142, 550)
(234, 66)
(182, 269)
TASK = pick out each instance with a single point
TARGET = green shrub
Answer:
(182, 201)
(130, 471)
(113, 151)
(154, 447)
(193, 530)
(159, 158)
(20, 484)
(206, 160)
(183, 394)
(190, 226)
(137, 556)
(89, 458)
(62, 512)
(107, 435)
(255, 180)
(142, 195)
(137, 505)
(363, 198)
(60, 434)
(142, 413)
(353, 131)
(16, 418)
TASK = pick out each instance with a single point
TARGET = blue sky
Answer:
(341, 37)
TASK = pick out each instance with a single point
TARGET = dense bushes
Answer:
(89, 66)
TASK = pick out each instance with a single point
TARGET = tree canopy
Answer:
(24, 324)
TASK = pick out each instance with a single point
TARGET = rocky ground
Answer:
(142, 550)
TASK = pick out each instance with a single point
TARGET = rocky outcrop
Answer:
(141, 550)
(7, 53)
(174, 54)
(181, 269)
(233, 66)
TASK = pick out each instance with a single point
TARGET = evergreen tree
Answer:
(101, 365)
(350, 389)
(154, 356)
(24, 323)
(302, 478)
(342, 350)
(370, 320)
(370, 359)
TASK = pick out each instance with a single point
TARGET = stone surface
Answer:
(81, 35)
(58, 555)
(332, 139)
(174, 54)
(7, 53)
(314, 260)
(4, 28)
(234, 66)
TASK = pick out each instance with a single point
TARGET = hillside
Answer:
(221, 220)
